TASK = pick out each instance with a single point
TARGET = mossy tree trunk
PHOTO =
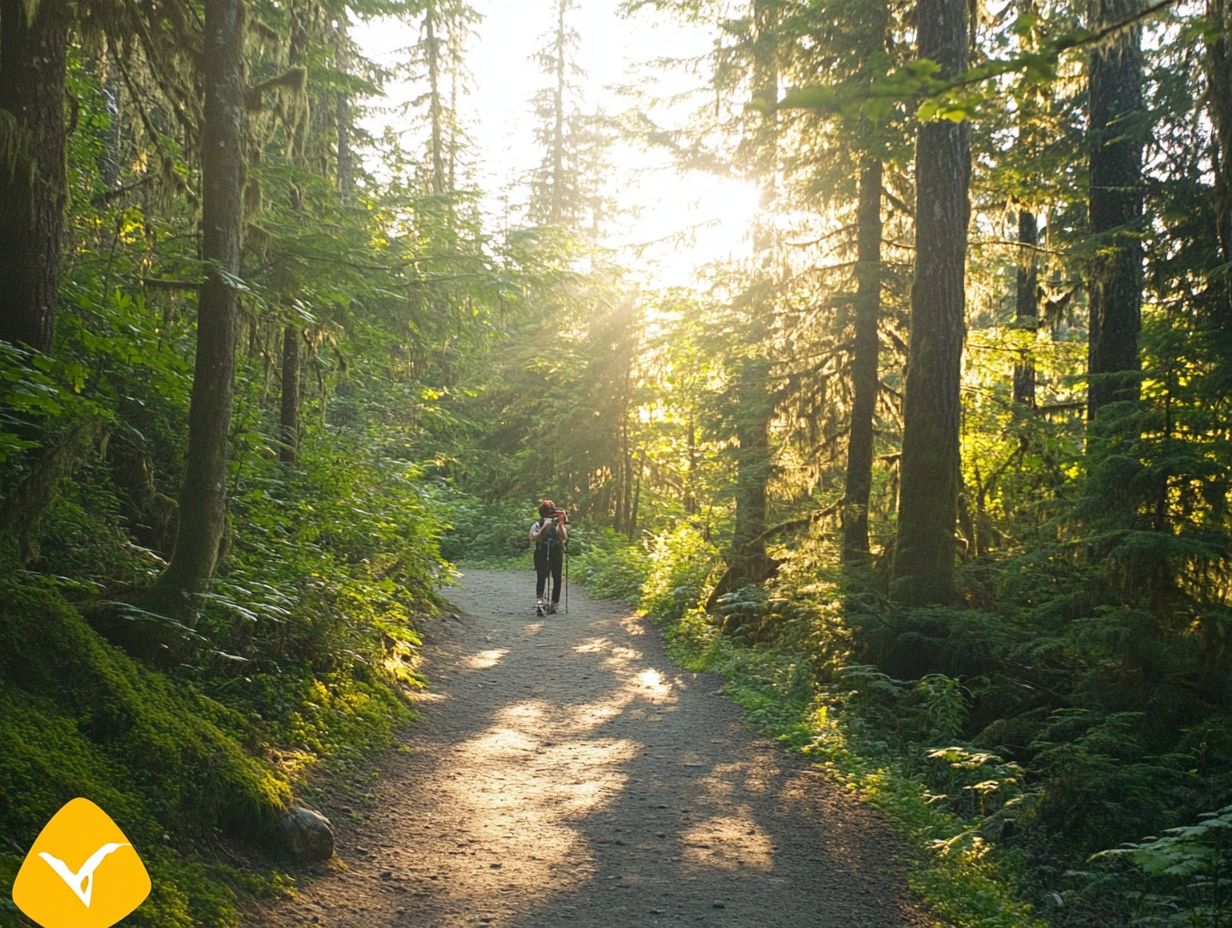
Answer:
(1115, 204)
(33, 191)
(202, 522)
(928, 500)
(749, 562)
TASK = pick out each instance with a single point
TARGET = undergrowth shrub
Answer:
(609, 565)
(483, 533)
(679, 572)
(1189, 873)
(303, 654)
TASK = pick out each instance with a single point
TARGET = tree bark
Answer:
(288, 451)
(342, 107)
(436, 111)
(690, 477)
(1026, 306)
(864, 361)
(752, 388)
(556, 211)
(1115, 203)
(1032, 108)
(33, 186)
(289, 427)
(749, 562)
(202, 521)
(924, 550)
(1218, 61)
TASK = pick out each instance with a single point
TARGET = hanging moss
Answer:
(266, 36)
(17, 162)
(291, 86)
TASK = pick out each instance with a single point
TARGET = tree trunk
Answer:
(435, 107)
(749, 562)
(289, 427)
(924, 551)
(1032, 107)
(752, 389)
(342, 106)
(288, 451)
(1218, 62)
(863, 364)
(1026, 306)
(637, 495)
(33, 187)
(557, 208)
(202, 521)
(690, 478)
(1116, 133)
(109, 160)
(1219, 79)
(454, 144)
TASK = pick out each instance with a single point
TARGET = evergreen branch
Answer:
(109, 196)
(916, 81)
(1014, 243)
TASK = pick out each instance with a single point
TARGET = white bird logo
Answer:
(81, 882)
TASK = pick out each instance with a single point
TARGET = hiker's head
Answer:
(546, 509)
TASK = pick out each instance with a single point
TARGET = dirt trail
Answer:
(566, 773)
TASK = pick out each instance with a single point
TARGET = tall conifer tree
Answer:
(925, 550)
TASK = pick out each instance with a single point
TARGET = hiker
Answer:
(548, 534)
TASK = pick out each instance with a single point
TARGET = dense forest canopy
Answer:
(892, 338)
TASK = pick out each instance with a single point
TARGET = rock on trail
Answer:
(565, 773)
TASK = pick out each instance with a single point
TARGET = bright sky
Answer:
(661, 203)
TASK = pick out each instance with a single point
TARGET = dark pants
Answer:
(548, 558)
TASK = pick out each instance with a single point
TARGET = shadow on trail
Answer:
(597, 785)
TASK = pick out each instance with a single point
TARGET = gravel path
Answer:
(565, 773)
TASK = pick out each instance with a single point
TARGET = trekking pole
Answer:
(566, 578)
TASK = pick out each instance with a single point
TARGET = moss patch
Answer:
(80, 718)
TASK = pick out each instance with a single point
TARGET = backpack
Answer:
(551, 536)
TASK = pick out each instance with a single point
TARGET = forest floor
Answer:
(565, 773)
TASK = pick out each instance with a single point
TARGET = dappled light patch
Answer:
(731, 842)
(619, 658)
(483, 660)
(653, 684)
(633, 626)
(592, 646)
(590, 716)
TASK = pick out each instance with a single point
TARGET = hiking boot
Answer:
(551, 609)
(540, 607)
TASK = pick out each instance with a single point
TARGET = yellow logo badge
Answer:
(81, 872)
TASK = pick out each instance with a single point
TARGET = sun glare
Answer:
(665, 223)
(681, 221)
